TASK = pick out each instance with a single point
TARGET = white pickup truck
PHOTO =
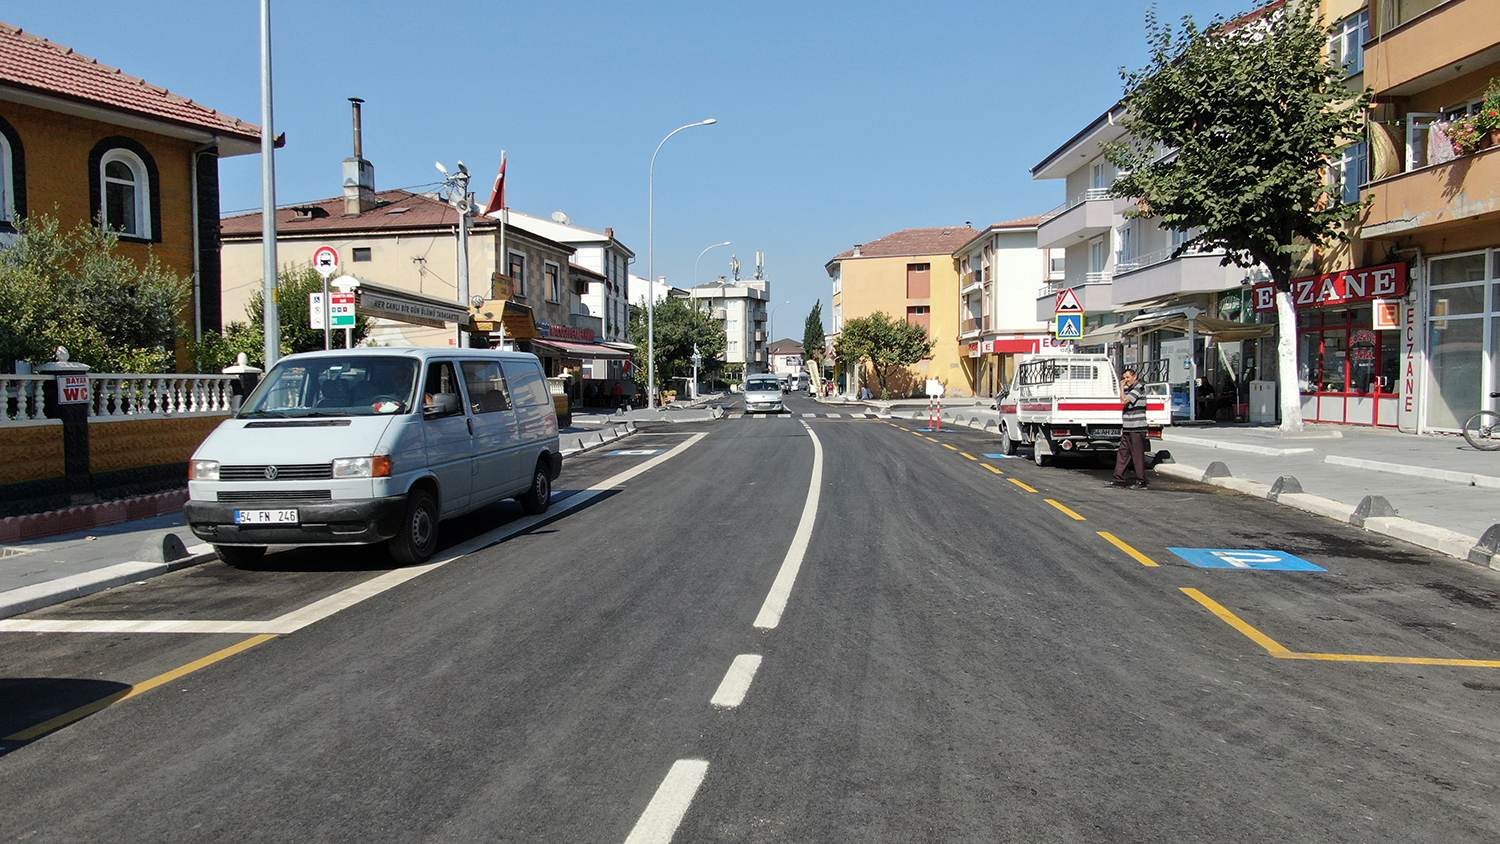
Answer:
(1070, 404)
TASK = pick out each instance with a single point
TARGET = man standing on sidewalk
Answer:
(1132, 431)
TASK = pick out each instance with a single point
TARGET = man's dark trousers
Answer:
(1132, 451)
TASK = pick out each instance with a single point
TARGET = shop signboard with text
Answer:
(1387, 281)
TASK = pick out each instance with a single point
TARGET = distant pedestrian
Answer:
(1132, 453)
(619, 394)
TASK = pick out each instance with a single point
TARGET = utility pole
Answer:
(271, 317)
(463, 202)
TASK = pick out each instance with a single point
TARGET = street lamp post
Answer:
(651, 264)
(700, 260)
(697, 362)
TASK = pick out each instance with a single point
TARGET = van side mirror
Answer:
(442, 404)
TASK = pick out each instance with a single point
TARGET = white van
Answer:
(763, 393)
(374, 445)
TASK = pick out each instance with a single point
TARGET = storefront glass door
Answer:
(1461, 352)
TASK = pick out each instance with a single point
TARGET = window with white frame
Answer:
(1346, 42)
(1098, 254)
(125, 205)
(554, 281)
(1348, 170)
(518, 274)
(7, 183)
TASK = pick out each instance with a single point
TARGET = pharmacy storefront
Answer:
(1463, 333)
(1349, 343)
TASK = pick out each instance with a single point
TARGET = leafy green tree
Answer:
(888, 344)
(72, 289)
(678, 327)
(814, 341)
(293, 287)
(1229, 126)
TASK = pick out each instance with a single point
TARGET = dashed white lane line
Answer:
(781, 588)
(736, 681)
(321, 609)
(673, 797)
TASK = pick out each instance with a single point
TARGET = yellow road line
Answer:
(945, 445)
(968, 455)
(1059, 506)
(1120, 544)
(925, 437)
(992, 468)
(125, 694)
(1021, 485)
(1276, 650)
(1271, 645)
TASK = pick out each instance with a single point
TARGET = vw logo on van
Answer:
(270, 473)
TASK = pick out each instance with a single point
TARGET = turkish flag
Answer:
(497, 196)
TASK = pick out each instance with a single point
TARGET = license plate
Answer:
(1106, 432)
(265, 517)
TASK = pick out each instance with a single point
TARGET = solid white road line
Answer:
(781, 588)
(736, 681)
(673, 797)
(321, 609)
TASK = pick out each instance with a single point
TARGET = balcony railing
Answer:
(1056, 286)
(973, 324)
(1091, 193)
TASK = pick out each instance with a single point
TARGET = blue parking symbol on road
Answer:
(635, 452)
(1224, 558)
(1003, 456)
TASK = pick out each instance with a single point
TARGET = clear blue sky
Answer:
(838, 122)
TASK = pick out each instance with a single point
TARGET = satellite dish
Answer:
(560, 217)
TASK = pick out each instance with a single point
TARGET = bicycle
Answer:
(1482, 430)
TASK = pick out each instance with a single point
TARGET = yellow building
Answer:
(908, 275)
(86, 142)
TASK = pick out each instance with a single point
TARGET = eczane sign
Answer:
(1387, 281)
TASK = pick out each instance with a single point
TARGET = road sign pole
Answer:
(327, 318)
(326, 262)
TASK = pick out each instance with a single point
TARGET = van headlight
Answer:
(203, 470)
(378, 466)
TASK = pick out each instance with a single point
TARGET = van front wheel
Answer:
(417, 539)
(538, 497)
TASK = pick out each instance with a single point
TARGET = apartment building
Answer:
(742, 307)
(1435, 213)
(911, 275)
(999, 272)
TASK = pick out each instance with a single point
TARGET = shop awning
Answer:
(1220, 329)
(582, 351)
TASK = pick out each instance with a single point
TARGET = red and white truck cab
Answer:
(1070, 404)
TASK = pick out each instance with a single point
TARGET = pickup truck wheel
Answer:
(538, 497)
(417, 539)
(1040, 458)
(1007, 445)
(240, 556)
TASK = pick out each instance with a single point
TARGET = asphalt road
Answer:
(971, 648)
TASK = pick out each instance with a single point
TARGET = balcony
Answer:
(1090, 213)
(1158, 275)
(972, 327)
(1440, 195)
(1094, 295)
(1425, 43)
(583, 320)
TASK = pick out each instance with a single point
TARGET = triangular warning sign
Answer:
(1069, 326)
(1067, 303)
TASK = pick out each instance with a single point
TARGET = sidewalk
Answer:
(36, 573)
(1432, 490)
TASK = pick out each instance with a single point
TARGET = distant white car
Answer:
(763, 394)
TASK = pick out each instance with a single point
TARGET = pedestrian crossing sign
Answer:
(1069, 327)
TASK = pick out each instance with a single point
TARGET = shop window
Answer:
(1339, 352)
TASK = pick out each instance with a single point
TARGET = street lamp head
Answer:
(710, 121)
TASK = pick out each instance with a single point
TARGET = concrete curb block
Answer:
(1251, 449)
(1465, 478)
(38, 595)
(1318, 505)
(1441, 540)
(600, 438)
(39, 525)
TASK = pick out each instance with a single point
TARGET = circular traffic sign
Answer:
(326, 260)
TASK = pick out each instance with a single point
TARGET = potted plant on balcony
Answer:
(1464, 134)
(1487, 119)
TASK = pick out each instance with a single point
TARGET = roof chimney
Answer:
(359, 174)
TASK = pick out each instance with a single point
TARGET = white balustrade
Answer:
(22, 398)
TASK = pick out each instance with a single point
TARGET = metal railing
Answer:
(1090, 194)
(1160, 256)
(1052, 288)
(120, 396)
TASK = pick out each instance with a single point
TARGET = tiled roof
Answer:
(915, 242)
(1020, 223)
(397, 210)
(34, 64)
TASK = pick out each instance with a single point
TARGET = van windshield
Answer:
(334, 386)
(762, 385)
